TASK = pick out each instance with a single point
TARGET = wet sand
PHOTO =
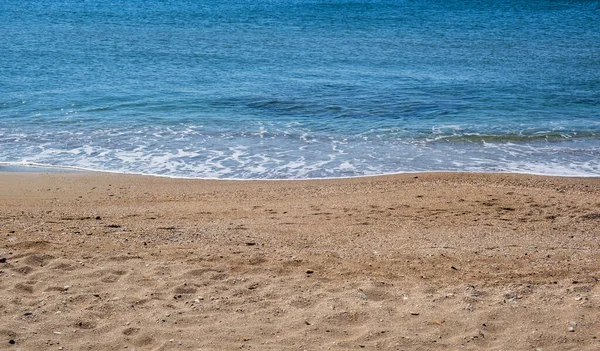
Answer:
(443, 261)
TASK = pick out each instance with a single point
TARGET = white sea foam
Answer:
(290, 154)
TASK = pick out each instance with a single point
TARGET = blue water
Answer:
(301, 89)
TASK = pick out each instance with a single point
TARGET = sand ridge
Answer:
(405, 262)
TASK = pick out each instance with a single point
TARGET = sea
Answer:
(301, 89)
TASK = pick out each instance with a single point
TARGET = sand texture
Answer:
(408, 262)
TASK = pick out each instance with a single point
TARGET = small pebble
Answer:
(11, 341)
(571, 329)
(3, 260)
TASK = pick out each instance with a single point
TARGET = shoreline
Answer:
(41, 168)
(422, 261)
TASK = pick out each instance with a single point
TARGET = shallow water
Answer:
(301, 89)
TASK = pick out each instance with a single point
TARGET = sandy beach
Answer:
(448, 261)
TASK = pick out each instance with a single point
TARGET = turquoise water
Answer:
(301, 89)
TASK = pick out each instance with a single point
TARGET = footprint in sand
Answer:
(38, 260)
(24, 288)
(113, 276)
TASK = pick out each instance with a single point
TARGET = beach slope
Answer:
(438, 261)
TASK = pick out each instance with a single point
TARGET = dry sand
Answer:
(408, 262)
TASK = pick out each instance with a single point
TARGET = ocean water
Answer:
(272, 89)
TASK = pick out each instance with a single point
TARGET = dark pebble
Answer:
(3, 260)
(454, 268)
(310, 271)
(11, 341)
(98, 218)
(250, 244)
